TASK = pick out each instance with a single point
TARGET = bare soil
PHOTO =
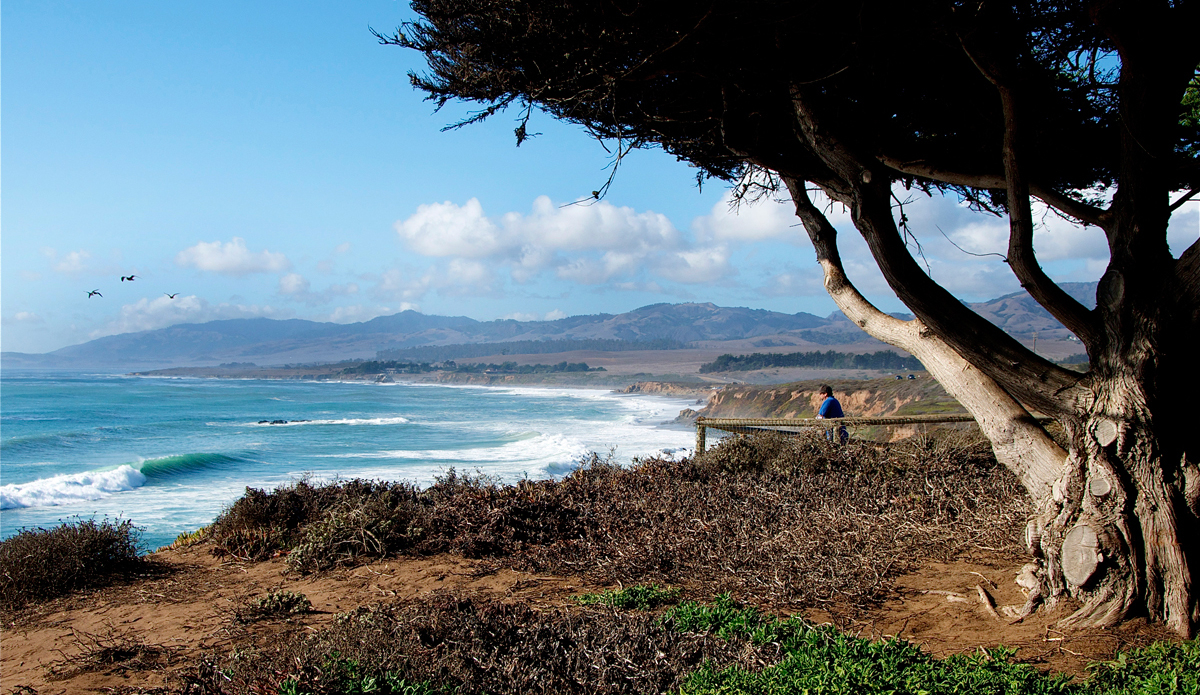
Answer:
(188, 608)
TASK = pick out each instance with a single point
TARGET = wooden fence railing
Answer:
(743, 425)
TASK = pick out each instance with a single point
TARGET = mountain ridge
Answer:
(298, 340)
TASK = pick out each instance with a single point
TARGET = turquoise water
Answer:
(169, 454)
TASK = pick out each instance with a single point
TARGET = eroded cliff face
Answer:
(670, 388)
(867, 398)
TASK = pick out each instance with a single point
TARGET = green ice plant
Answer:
(642, 597)
(819, 659)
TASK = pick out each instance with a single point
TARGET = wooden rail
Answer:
(744, 425)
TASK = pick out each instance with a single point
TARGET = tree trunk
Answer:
(1117, 520)
(1121, 530)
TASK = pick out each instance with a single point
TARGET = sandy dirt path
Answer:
(189, 608)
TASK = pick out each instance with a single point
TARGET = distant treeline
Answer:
(884, 359)
(382, 367)
(441, 353)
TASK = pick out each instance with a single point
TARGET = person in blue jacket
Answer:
(831, 408)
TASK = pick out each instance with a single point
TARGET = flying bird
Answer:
(127, 277)
(95, 293)
(171, 296)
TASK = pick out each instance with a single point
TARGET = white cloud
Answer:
(446, 229)
(590, 244)
(697, 265)
(794, 283)
(749, 222)
(458, 277)
(554, 315)
(73, 263)
(295, 287)
(342, 248)
(600, 226)
(149, 314)
(232, 258)
(358, 312)
(26, 317)
(463, 277)
(293, 284)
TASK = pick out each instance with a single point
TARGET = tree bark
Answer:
(1116, 517)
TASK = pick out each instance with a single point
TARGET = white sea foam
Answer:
(542, 448)
(70, 488)
(342, 421)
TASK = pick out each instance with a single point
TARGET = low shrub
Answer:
(466, 645)
(275, 604)
(261, 524)
(40, 564)
(642, 597)
(830, 525)
(388, 522)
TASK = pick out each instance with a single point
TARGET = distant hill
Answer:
(271, 341)
(1019, 314)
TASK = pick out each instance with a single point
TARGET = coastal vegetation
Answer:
(40, 564)
(882, 359)
(784, 524)
(695, 648)
(844, 520)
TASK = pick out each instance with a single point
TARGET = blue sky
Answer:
(271, 159)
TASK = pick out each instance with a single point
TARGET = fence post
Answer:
(700, 431)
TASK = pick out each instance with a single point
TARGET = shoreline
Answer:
(120, 478)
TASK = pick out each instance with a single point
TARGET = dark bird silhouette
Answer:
(95, 293)
(171, 296)
(127, 277)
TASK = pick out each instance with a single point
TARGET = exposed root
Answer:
(989, 603)
(1105, 608)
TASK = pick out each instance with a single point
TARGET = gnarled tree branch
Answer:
(1079, 210)
(1021, 257)
(1031, 378)
(1019, 441)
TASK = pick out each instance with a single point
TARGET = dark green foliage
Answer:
(441, 353)
(1159, 669)
(882, 359)
(642, 597)
(822, 660)
(40, 564)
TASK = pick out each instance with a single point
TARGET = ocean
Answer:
(171, 453)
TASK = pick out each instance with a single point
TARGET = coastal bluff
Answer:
(862, 398)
